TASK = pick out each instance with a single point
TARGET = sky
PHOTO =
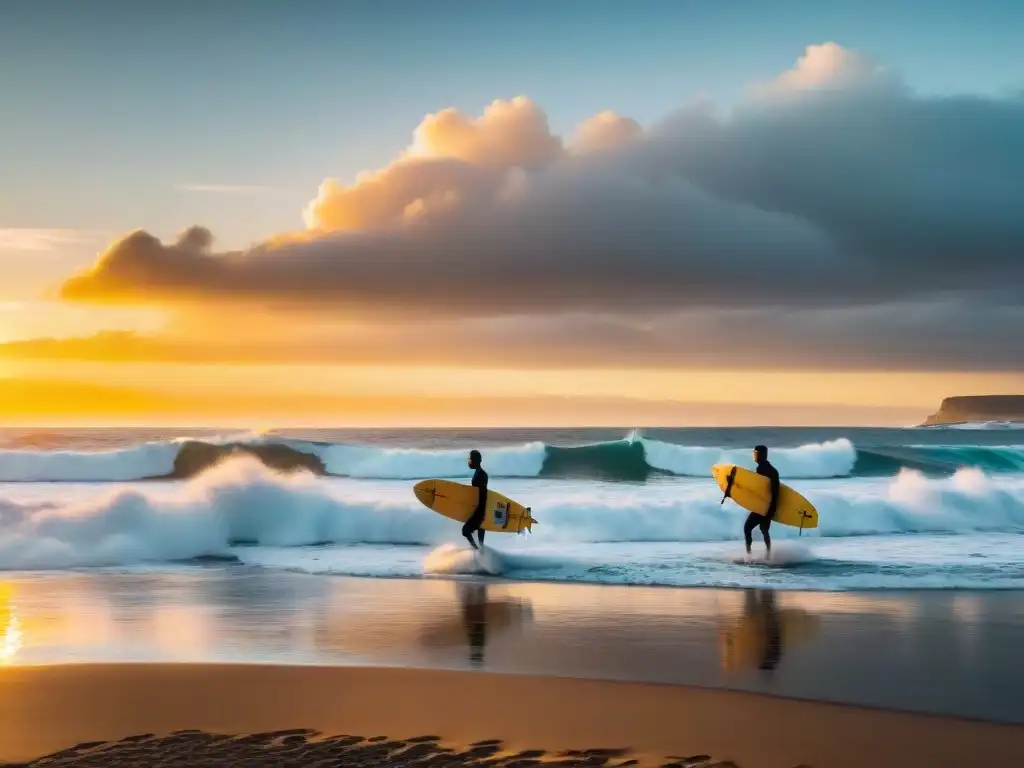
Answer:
(501, 213)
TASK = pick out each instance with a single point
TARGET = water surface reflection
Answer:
(944, 652)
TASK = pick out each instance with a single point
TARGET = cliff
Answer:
(955, 410)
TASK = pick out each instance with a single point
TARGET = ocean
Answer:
(926, 508)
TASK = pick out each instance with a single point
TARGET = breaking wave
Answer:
(634, 459)
(242, 502)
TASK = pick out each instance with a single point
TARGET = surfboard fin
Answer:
(529, 521)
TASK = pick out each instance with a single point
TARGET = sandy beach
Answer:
(135, 709)
(275, 669)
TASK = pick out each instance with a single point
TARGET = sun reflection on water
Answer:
(10, 627)
(10, 641)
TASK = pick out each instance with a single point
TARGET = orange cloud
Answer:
(605, 131)
(453, 158)
(830, 65)
(513, 132)
(839, 192)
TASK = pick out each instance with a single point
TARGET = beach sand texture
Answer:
(265, 715)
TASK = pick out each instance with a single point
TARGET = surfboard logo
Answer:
(501, 514)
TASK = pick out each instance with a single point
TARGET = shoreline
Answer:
(945, 653)
(502, 580)
(47, 709)
(231, 560)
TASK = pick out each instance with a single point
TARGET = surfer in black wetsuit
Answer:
(755, 520)
(477, 518)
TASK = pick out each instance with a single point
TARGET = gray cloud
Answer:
(835, 185)
(941, 336)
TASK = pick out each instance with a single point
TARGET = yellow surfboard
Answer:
(457, 501)
(753, 492)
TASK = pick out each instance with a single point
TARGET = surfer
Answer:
(477, 518)
(755, 520)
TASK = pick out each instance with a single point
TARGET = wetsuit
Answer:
(477, 518)
(755, 520)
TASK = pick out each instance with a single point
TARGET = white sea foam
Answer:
(832, 459)
(835, 458)
(242, 501)
(409, 463)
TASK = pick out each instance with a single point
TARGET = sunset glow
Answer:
(745, 245)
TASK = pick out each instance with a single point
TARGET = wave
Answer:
(634, 459)
(628, 460)
(794, 565)
(242, 502)
(122, 464)
(413, 463)
(835, 458)
(939, 459)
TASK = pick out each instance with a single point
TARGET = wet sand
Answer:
(47, 709)
(945, 652)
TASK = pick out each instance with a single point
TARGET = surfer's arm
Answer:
(773, 504)
(480, 481)
(773, 479)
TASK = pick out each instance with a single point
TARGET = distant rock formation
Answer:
(194, 457)
(957, 410)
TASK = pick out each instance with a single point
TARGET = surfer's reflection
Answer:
(474, 617)
(481, 616)
(756, 640)
(763, 602)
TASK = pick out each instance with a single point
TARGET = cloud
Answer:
(831, 66)
(938, 336)
(41, 240)
(508, 133)
(605, 131)
(832, 185)
(137, 256)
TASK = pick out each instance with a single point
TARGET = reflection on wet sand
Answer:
(757, 638)
(10, 627)
(939, 657)
(480, 614)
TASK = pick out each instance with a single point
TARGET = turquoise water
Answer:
(910, 508)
